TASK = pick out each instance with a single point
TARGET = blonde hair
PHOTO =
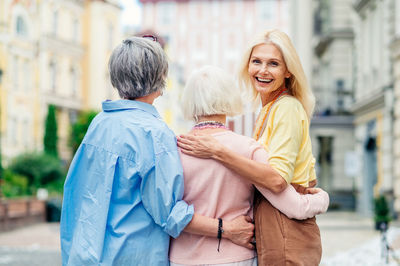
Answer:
(211, 91)
(296, 83)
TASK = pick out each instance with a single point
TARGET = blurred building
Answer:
(52, 52)
(373, 99)
(207, 32)
(395, 55)
(332, 130)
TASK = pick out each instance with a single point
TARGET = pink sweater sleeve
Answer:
(289, 202)
(295, 205)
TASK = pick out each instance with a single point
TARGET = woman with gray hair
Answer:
(123, 192)
(217, 191)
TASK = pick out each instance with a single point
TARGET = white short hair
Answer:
(211, 91)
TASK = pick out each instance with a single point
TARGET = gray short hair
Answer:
(138, 67)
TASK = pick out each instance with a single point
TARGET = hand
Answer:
(313, 183)
(201, 146)
(313, 190)
(240, 231)
(299, 188)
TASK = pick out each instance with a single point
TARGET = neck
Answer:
(149, 98)
(267, 98)
(216, 118)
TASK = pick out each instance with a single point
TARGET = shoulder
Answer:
(239, 143)
(289, 107)
(289, 102)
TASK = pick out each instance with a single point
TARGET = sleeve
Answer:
(289, 202)
(295, 205)
(285, 140)
(312, 173)
(162, 191)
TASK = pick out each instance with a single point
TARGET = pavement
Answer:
(347, 239)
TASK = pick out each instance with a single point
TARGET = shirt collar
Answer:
(119, 105)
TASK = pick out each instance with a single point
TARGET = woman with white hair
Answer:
(272, 71)
(209, 96)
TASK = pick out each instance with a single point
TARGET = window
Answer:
(266, 9)
(15, 71)
(12, 130)
(27, 133)
(74, 81)
(21, 27)
(110, 36)
(166, 11)
(27, 75)
(53, 76)
(75, 30)
(55, 22)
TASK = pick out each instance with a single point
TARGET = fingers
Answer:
(313, 190)
(184, 140)
(248, 219)
(250, 246)
(187, 137)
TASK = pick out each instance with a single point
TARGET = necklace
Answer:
(210, 124)
(260, 130)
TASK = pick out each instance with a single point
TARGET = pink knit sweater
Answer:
(215, 191)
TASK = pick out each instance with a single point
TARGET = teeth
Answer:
(264, 80)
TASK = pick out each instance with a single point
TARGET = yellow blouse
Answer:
(286, 139)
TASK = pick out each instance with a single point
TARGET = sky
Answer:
(131, 14)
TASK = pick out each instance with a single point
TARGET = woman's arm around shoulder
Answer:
(260, 174)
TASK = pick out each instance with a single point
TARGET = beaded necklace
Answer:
(261, 127)
(210, 124)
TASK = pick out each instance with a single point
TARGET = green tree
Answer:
(50, 135)
(80, 127)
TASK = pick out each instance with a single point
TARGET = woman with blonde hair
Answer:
(218, 192)
(272, 70)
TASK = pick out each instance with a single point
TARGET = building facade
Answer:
(373, 100)
(332, 128)
(52, 52)
(201, 33)
(395, 55)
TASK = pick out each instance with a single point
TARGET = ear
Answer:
(288, 74)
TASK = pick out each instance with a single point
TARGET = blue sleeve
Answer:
(162, 191)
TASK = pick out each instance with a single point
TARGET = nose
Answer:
(264, 68)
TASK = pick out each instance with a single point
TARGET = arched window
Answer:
(21, 27)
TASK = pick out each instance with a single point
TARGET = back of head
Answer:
(211, 91)
(138, 67)
(297, 83)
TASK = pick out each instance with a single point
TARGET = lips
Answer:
(263, 80)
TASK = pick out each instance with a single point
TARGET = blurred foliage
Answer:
(40, 169)
(381, 209)
(50, 133)
(79, 128)
(14, 185)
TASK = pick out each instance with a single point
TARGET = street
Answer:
(347, 239)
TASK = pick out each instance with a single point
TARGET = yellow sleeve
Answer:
(285, 138)
(312, 175)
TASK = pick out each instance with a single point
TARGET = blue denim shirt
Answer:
(123, 192)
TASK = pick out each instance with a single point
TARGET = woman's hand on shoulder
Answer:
(240, 231)
(199, 145)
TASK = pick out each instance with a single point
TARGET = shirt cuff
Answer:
(178, 219)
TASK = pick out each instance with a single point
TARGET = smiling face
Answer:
(267, 69)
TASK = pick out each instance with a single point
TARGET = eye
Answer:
(256, 61)
(273, 63)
